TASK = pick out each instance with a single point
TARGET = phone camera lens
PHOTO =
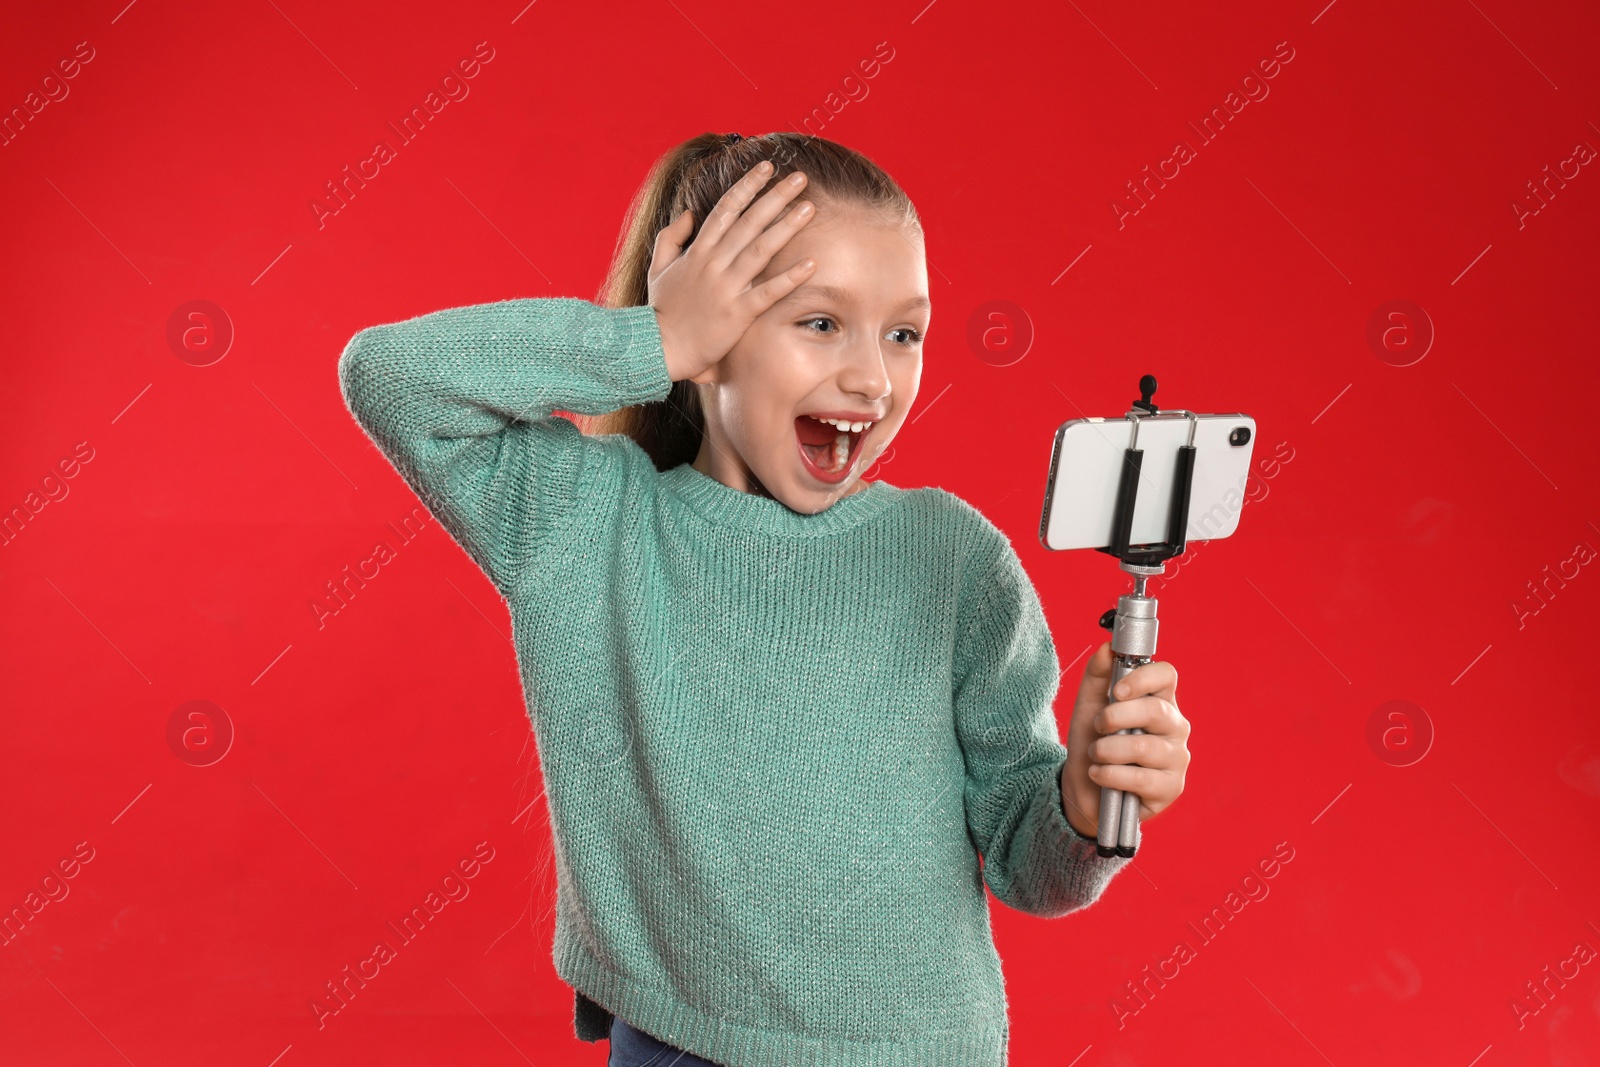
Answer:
(1239, 436)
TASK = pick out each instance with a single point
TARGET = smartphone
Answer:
(1080, 497)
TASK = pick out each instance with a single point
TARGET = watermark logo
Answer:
(603, 742)
(1540, 595)
(199, 332)
(1553, 981)
(342, 591)
(1400, 333)
(199, 733)
(1254, 89)
(454, 88)
(52, 90)
(999, 332)
(1253, 488)
(1399, 733)
(52, 490)
(1540, 194)
(454, 887)
(855, 90)
(1253, 888)
(876, 470)
(53, 888)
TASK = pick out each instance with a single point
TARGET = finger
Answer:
(669, 240)
(739, 247)
(1157, 676)
(1156, 751)
(758, 255)
(1147, 783)
(774, 289)
(731, 204)
(1152, 714)
(1098, 667)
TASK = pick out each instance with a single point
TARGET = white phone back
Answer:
(1086, 465)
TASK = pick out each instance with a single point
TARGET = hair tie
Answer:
(734, 138)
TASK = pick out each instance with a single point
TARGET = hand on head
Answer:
(703, 297)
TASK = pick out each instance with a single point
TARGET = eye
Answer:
(916, 335)
(819, 318)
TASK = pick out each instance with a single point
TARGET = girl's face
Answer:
(847, 344)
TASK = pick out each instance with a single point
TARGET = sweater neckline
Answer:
(727, 506)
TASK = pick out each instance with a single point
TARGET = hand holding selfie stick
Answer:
(1133, 622)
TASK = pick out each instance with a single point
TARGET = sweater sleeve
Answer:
(1006, 678)
(460, 401)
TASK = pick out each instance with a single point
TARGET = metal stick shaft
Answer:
(1119, 810)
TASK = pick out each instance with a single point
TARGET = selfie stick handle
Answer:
(1133, 627)
(1133, 622)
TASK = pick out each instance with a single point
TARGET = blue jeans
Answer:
(632, 1047)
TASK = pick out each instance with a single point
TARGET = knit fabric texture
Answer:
(783, 753)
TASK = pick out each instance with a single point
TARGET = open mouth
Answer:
(829, 447)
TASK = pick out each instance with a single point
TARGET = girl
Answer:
(790, 721)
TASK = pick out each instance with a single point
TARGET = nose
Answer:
(865, 373)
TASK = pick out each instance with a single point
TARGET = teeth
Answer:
(853, 427)
(841, 444)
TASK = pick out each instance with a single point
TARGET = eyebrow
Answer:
(842, 296)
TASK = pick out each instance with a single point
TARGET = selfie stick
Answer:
(1133, 621)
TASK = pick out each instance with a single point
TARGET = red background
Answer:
(1383, 563)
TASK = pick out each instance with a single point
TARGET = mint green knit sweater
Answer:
(774, 745)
